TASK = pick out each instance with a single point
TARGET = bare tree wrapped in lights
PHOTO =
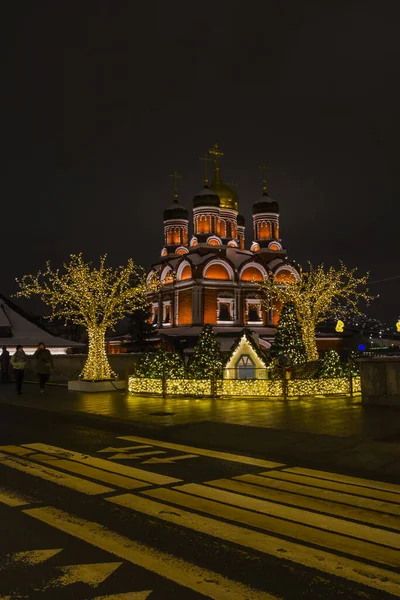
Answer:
(318, 295)
(96, 298)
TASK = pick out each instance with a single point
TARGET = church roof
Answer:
(265, 205)
(23, 330)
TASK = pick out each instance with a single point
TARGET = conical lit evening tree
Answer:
(318, 295)
(94, 297)
(331, 365)
(288, 340)
(207, 358)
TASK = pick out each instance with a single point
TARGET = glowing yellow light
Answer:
(254, 388)
(316, 295)
(96, 298)
(398, 326)
(339, 326)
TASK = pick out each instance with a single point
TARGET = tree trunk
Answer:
(308, 335)
(97, 366)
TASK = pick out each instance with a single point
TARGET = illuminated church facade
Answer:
(210, 271)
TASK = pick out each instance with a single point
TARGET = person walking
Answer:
(5, 364)
(44, 365)
(18, 361)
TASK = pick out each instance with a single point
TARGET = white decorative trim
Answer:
(254, 244)
(257, 266)
(218, 261)
(150, 276)
(186, 251)
(182, 265)
(233, 244)
(275, 242)
(265, 215)
(176, 222)
(214, 238)
(165, 272)
(286, 267)
(194, 239)
(231, 303)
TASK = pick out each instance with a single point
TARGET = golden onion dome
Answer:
(227, 196)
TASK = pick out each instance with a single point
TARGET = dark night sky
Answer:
(102, 100)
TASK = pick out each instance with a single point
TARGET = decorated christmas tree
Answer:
(288, 341)
(207, 358)
(331, 365)
(154, 364)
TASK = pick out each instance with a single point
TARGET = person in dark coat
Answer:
(5, 364)
(18, 361)
(44, 365)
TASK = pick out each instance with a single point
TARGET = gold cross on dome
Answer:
(215, 151)
(264, 168)
(206, 159)
(175, 176)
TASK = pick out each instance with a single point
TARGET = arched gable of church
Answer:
(218, 269)
(286, 274)
(184, 271)
(253, 271)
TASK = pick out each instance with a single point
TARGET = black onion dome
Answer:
(175, 211)
(241, 221)
(265, 205)
(206, 197)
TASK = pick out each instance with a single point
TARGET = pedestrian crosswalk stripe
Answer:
(347, 568)
(89, 574)
(209, 583)
(245, 460)
(333, 485)
(316, 504)
(18, 450)
(289, 513)
(32, 557)
(369, 483)
(127, 596)
(103, 464)
(274, 525)
(324, 493)
(58, 477)
(13, 499)
(92, 472)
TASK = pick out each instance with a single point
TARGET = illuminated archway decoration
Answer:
(194, 241)
(167, 276)
(184, 271)
(218, 269)
(181, 250)
(252, 271)
(233, 244)
(213, 240)
(286, 274)
(255, 247)
(164, 252)
(274, 246)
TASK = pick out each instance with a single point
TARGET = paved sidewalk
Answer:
(339, 433)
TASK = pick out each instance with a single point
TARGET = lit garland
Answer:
(96, 298)
(249, 388)
(318, 295)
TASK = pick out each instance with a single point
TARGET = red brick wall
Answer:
(185, 307)
(210, 306)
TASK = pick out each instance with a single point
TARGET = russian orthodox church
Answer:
(211, 273)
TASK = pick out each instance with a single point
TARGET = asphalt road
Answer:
(86, 514)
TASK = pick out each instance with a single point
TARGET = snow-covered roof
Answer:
(24, 331)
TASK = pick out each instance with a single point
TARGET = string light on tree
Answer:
(288, 339)
(207, 359)
(331, 365)
(94, 297)
(318, 295)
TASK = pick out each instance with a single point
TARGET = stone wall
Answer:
(380, 380)
(68, 366)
